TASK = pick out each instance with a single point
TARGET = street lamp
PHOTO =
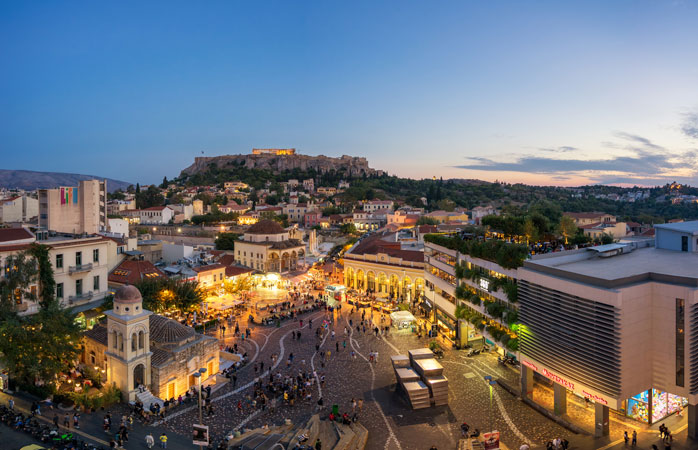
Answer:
(198, 375)
(491, 382)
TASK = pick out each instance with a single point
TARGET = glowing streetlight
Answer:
(491, 382)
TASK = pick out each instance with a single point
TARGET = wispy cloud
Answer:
(689, 125)
(563, 149)
(641, 162)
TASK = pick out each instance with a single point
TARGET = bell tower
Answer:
(128, 342)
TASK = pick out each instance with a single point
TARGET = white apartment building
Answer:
(18, 208)
(78, 210)
(79, 264)
(155, 215)
(375, 205)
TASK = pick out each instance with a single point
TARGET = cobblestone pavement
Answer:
(386, 414)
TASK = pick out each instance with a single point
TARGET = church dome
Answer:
(128, 294)
(266, 227)
(168, 331)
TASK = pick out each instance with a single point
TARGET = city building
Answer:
(448, 216)
(296, 213)
(266, 246)
(309, 185)
(18, 208)
(482, 288)
(274, 151)
(210, 276)
(616, 324)
(379, 264)
(589, 218)
(477, 213)
(598, 229)
(198, 206)
(327, 191)
(138, 348)
(132, 271)
(114, 207)
(375, 205)
(155, 215)
(76, 210)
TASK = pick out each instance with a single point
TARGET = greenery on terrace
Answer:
(505, 336)
(508, 256)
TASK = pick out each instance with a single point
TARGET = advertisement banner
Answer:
(491, 440)
(200, 434)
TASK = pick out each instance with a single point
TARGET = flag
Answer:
(75, 196)
(62, 196)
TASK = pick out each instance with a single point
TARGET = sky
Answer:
(562, 93)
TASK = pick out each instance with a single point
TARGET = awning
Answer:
(87, 306)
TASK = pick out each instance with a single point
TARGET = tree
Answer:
(20, 273)
(530, 231)
(164, 183)
(237, 285)
(47, 284)
(348, 228)
(446, 204)
(164, 294)
(426, 220)
(226, 241)
(567, 228)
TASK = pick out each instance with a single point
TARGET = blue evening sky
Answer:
(541, 92)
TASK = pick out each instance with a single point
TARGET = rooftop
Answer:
(640, 265)
(682, 227)
(265, 227)
(131, 272)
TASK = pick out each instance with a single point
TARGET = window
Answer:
(95, 255)
(141, 339)
(95, 283)
(78, 258)
(78, 287)
(134, 341)
(59, 261)
(59, 290)
(680, 324)
(684, 243)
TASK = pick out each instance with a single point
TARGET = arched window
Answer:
(121, 342)
(93, 357)
(141, 339)
(114, 339)
(134, 339)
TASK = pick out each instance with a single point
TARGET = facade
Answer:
(20, 208)
(211, 276)
(155, 215)
(379, 264)
(76, 210)
(138, 348)
(12, 242)
(309, 185)
(131, 271)
(482, 284)
(626, 326)
(267, 246)
(375, 205)
(296, 212)
(597, 229)
(115, 207)
(477, 213)
(80, 268)
(589, 218)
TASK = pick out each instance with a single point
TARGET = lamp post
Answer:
(491, 383)
(198, 375)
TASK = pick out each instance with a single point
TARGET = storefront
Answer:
(447, 326)
(658, 403)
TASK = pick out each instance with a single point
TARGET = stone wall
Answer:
(202, 353)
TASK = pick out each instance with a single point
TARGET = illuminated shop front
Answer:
(447, 326)
(660, 403)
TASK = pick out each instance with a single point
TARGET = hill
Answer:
(30, 180)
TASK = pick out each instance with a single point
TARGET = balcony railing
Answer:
(79, 298)
(80, 268)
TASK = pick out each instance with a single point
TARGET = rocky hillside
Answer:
(30, 180)
(353, 166)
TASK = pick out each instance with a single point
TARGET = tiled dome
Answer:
(265, 227)
(128, 294)
(168, 331)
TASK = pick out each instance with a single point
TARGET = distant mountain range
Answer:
(30, 180)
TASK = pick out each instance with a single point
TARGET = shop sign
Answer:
(485, 284)
(569, 384)
(491, 440)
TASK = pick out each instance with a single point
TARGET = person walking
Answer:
(634, 441)
(149, 440)
(318, 444)
(625, 437)
(163, 440)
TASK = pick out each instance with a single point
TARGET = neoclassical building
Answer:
(136, 347)
(266, 246)
(380, 264)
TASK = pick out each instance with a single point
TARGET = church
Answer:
(266, 246)
(136, 347)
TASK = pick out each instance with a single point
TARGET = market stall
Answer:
(402, 319)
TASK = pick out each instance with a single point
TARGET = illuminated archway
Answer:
(382, 283)
(360, 279)
(371, 281)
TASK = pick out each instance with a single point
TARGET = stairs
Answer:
(146, 397)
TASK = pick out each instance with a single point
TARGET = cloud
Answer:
(641, 162)
(563, 149)
(689, 125)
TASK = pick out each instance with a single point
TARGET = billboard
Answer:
(200, 434)
(491, 440)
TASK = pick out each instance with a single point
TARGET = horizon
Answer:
(542, 94)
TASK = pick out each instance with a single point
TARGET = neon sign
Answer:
(558, 379)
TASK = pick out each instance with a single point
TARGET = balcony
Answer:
(80, 268)
(73, 299)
